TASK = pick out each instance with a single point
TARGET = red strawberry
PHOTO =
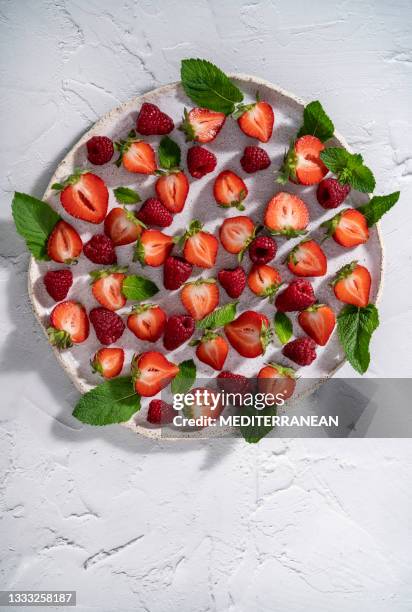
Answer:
(100, 250)
(200, 247)
(200, 161)
(286, 215)
(176, 271)
(229, 190)
(277, 380)
(64, 244)
(249, 334)
(200, 297)
(58, 283)
(262, 249)
(307, 259)
(348, 228)
(172, 190)
(153, 247)
(257, 121)
(147, 322)
(352, 284)
(179, 328)
(99, 150)
(302, 351)
(202, 124)
(122, 226)
(318, 322)
(151, 120)
(107, 287)
(233, 281)
(331, 193)
(108, 362)
(107, 324)
(68, 324)
(160, 412)
(205, 405)
(213, 350)
(84, 196)
(254, 159)
(233, 383)
(236, 233)
(136, 155)
(302, 163)
(298, 295)
(152, 372)
(152, 212)
(264, 280)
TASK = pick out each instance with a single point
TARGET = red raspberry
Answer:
(100, 250)
(233, 281)
(153, 212)
(262, 249)
(176, 271)
(302, 351)
(179, 328)
(254, 159)
(58, 283)
(151, 120)
(298, 295)
(107, 324)
(233, 383)
(160, 412)
(99, 150)
(200, 161)
(331, 193)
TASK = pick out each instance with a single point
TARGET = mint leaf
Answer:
(283, 327)
(184, 380)
(255, 432)
(138, 287)
(316, 122)
(114, 401)
(378, 206)
(169, 153)
(355, 328)
(219, 317)
(208, 86)
(34, 221)
(125, 195)
(349, 168)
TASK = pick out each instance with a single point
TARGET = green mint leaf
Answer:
(169, 153)
(34, 221)
(184, 380)
(283, 327)
(219, 317)
(125, 195)
(138, 288)
(378, 206)
(208, 86)
(316, 122)
(255, 432)
(114, 401)
(355, 328)
(349, 168)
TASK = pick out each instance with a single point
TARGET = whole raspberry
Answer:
(153, 212)
(151, 120)
(100, 250)
(254, 159)
(58, 283)
(302, 351)
(99, 150)
(200, 161)
(160, 412)
(233, 383)
(331, 193)
(262, 249)
(176, 271)
(298, 295)
(179, 328)
(233, 281)
(107, 324)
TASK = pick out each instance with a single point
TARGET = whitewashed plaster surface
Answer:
(131, 524)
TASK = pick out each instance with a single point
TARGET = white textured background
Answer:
(313, 525)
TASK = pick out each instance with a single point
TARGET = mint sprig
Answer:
(125, 195)
(374, 210)
(316, 122)
(138, 288)
(283, 327)
(34, 222)
(169, 154)
(185, 378)
(256, 431)
(349, 168)
(355, 329)
(114, 401)
(219, 317)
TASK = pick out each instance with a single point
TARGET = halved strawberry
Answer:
(208, 404)
(213, 350)
(307, 259)
(202, 124)
(84, 196)
(286, 215)
(264, 280)
(69, 324)
(152, 372)
(229, 190)
(136, 155)
(107, 287)
(249, 334)
(108, 362)
(172, 190)
(122, 226)
(352, 284)
(277, 380)
(302, 163)
(152, 248)
(200, 297)
(318, 321)
(257, 120)
(348, 228)
(64, 244)
(200, 247)
(147, 322)
(236, 233)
